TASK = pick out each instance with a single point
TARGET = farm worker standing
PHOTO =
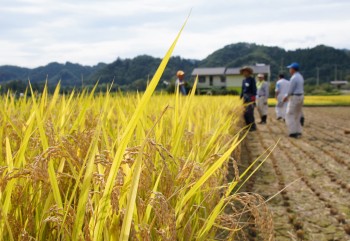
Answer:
(295, 98)
(180, 82)
(248, 94)
(281, 91)
(262, 97)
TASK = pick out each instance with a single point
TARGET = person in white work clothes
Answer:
(262, 97)
(281, 90)
(295, 98)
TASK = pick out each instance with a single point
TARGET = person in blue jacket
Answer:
(248, 95)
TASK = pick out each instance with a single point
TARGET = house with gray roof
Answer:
(225, 78)
(210, 77)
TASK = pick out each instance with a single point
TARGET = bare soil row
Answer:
(312, 175)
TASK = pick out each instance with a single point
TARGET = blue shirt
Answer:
(296, 85)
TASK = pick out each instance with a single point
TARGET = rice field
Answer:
(332, 100)
(94, 166)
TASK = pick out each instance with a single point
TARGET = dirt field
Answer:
(317, 205)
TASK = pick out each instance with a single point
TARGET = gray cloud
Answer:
(35, 32)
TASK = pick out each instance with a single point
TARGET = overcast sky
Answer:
(36, 32)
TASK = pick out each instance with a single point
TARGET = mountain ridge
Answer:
(133, 73)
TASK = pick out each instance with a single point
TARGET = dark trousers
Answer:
(249, 115)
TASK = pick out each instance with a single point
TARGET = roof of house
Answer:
(260, 69)
(209, 71)
(257, 69)
(232, 71)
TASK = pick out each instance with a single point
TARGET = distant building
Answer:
(233, 78)
(226, 78)
(339, 83)
(210, 77)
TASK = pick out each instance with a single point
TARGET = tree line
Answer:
(320, 64)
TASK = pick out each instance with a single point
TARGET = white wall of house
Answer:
(234, 81)
(211, 81)
(202, 82)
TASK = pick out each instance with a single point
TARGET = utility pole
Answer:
(335, 72)
(318, 76)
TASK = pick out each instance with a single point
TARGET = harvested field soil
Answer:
(316, 170)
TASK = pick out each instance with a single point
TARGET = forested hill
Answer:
(134, 73)
(68, 73)
(130, 74)
(328, 60)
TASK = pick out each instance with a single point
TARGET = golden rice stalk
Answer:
(103, 203)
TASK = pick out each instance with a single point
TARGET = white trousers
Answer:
(293, 113)
(262, 105)
(281, 108)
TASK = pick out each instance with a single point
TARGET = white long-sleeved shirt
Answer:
(282, 87)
